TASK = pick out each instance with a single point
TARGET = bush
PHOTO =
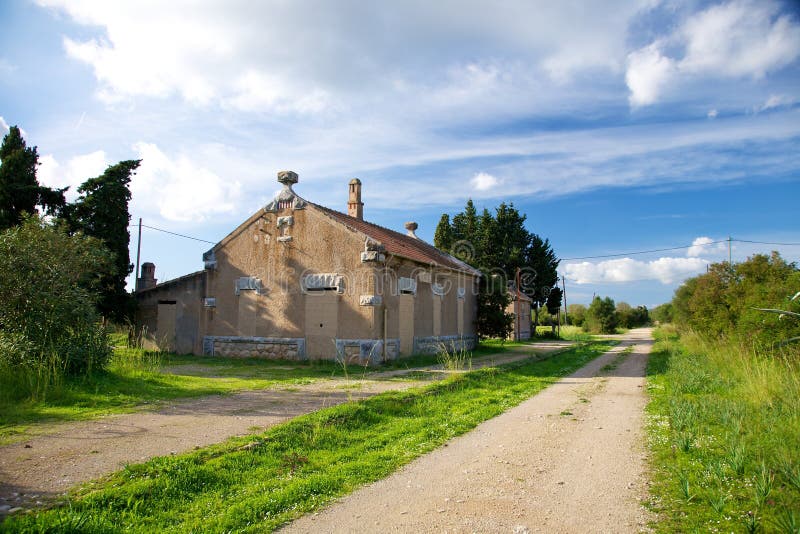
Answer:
(601, 317)
(48, 323)
(723, 302)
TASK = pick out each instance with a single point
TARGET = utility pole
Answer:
(730, 256)
(564, 294)
(138, 254)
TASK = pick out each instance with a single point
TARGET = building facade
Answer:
(298, 280)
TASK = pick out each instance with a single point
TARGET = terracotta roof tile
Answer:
(400, 244)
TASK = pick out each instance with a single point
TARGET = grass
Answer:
(135, 380)
(259, 482)
(724, 433)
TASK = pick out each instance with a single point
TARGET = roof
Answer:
(401, 244)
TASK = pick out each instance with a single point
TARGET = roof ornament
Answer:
(287, 197)
(411, 228)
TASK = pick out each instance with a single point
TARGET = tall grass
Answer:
(724, 431)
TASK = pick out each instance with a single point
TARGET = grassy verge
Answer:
(259, 482)
(724, 432)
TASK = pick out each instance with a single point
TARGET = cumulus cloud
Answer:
(665, 270)
(648, 72)
(705, 246)
(71, 174)
(484, 181)
(740, 38)
(776, 101)
(179, 189)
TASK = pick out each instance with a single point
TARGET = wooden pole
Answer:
(138, 255)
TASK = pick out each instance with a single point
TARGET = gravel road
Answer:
(570, 459)
(43, 467)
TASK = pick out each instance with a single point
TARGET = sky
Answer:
(616, 127)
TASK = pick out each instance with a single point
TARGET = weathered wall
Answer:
(186, 295)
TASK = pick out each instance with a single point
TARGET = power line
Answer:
(175, 233)
(678, 248)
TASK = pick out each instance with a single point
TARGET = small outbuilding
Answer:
(297, 280)
(520, 308)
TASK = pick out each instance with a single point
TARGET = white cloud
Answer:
(740, 38)
(648, 72)
(712, 114)
(706, 246)
(72, 174)
(3, 124)
(484, 181)
(665, 270)
(179, 189)
(776, 101)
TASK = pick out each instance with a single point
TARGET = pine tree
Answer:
(20, 192)
(443, 237)
(101, 211)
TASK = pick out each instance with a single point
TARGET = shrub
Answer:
(601, 317)
(48, 319)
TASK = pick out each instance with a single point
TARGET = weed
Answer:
(787, 522)
(751, 523)
(737, 458)
(763, 483)
(684, 441)
(717, 502)
(454, 357)
(683, 485)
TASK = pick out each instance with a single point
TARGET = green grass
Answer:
(724, 432)
(259, 482)
(135, 380)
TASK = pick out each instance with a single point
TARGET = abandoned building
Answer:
(301, 281)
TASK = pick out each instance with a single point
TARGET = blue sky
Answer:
(616, 126)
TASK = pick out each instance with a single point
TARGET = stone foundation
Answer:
(272, 348)
(435, 344)
(367, 351)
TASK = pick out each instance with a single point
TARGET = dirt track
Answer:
(39, 469)
(569, 459)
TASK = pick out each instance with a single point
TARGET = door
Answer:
(406, 319)
(165, 325)
(322, 323)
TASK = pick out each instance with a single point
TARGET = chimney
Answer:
(148, 277)
(411, 228)
(355, 208)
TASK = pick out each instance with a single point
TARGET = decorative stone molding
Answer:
(210, 259)
(372, 256)
(435, 344)
(366, 351)
(284, 239)
(249, 283)
(370, 300)
(322, 281)
(407, 285)
(287, 197)
(285, 221)
(274, 348)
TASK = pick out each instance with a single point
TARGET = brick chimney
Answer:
(148, 277)
(355, 208)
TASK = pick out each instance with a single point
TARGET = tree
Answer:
(662, 313)
(20, 192)
(101, 211)
(500, 246)
(493, 299)
(553, 303)
(576, 314)
(48, 293)
(601, 317)
(443, 237)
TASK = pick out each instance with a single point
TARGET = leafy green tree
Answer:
(576, 314)
(553, 303)
(20, 192)
(724, 302)
(101, 211)
(630, 317)
(493, 321)
(48, 293)
(443, 237)
(662, 313)
(500, 246)
(601, 317)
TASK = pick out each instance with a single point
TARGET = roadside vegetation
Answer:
(724, 415)
(259, 482)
